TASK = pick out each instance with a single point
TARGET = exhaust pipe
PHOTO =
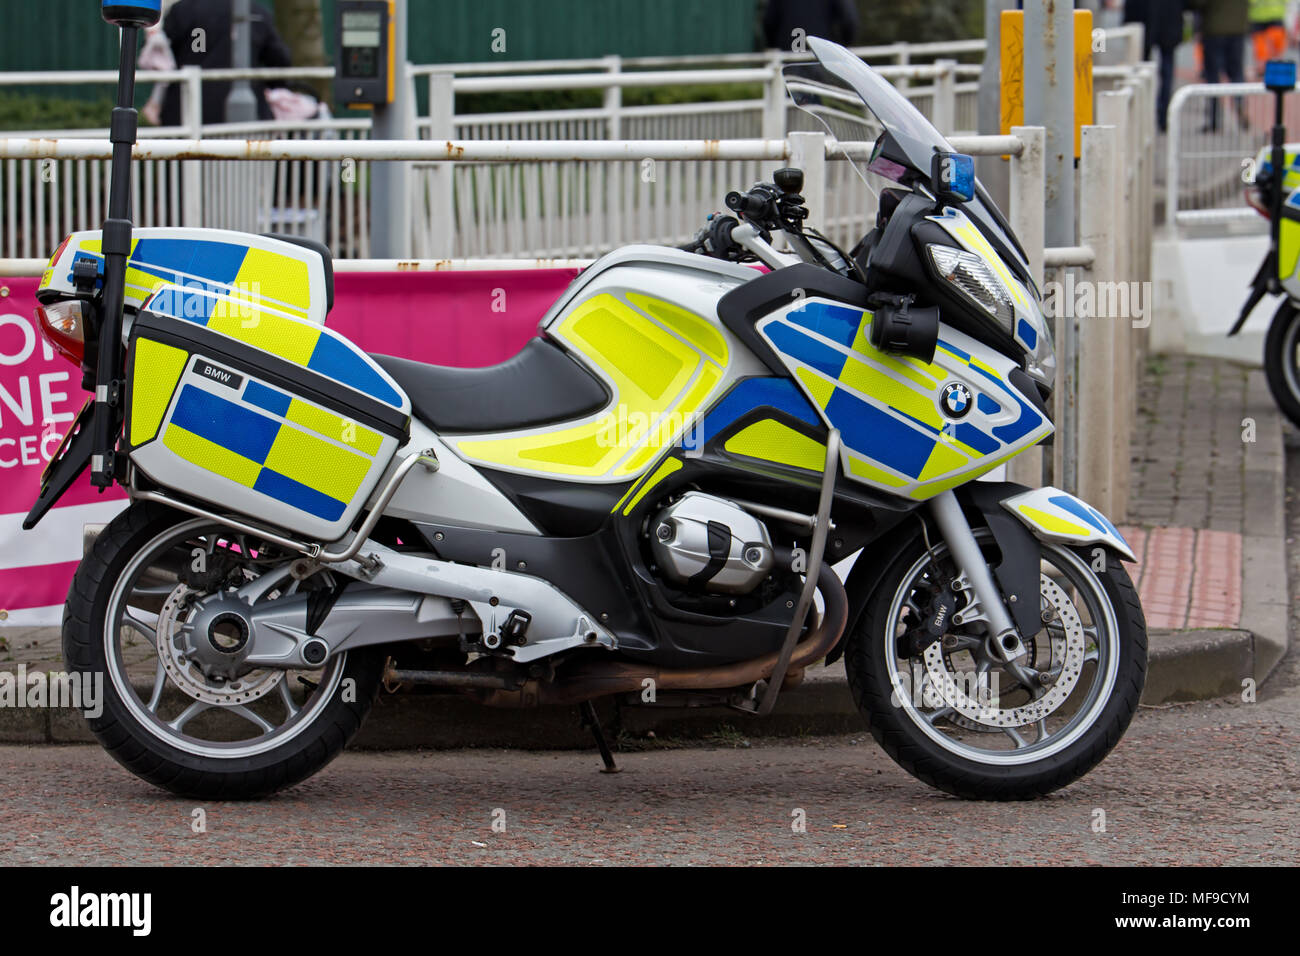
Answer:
(592, 679)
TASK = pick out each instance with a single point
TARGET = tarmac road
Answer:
(1202, 783)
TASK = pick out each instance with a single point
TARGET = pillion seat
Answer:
(539, 386)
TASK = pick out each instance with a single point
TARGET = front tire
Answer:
(128, 587)
(1005, 750)
(1282, 360)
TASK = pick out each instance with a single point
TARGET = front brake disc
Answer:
(1067, 653)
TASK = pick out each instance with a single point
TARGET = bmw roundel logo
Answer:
(956, 400)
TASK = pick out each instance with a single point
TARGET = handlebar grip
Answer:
(747, 204)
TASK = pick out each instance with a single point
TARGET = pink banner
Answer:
(467, 319)
(470, 318)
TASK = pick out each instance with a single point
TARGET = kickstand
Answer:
(589, 719)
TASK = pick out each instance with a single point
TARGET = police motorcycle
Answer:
(644, 505)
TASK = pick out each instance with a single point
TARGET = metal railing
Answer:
(1215, 132)
(547, 211)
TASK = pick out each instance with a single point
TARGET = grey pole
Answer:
(993, 170)
(390, 182)
(1049, 102)
(241, 103)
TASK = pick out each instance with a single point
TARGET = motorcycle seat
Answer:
(539, 386)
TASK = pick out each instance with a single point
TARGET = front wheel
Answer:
(1282, 360)
(179, 707)
(951, 714)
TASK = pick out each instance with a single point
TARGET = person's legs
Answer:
(1212, 53)
(1234, 64)
(1166, 87)
(1234, 50)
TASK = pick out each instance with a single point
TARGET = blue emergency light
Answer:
(136, 13)
(953, 177)
(1279, 75)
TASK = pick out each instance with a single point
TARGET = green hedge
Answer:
(31, 111)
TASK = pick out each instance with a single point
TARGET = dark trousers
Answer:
(1166, 89)
(1223, 57)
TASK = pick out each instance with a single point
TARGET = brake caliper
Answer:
(935, 620)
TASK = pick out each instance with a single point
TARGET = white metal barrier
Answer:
(1206, 165)
(496, 210)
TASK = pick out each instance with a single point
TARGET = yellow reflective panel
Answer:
(942, 460)
(645, 362)
(584, 452)
(669, 466)
(1052, 523)
(681, 418)
(870, 472)
(334, 426)
(280, 335)
(327, 468)
(695, 329)
(157, 369)
(820, 388)
(894, 394)
(211, 457)
(276, 277)
(659, 381)
(770, 440)
(1288, 251)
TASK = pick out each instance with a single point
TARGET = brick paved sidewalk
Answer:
(1195, 468)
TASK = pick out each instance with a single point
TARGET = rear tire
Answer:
(1281, 365)
(139, 743)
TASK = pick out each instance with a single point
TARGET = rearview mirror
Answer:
(952, 177)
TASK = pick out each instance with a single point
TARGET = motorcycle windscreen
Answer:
(842, 96)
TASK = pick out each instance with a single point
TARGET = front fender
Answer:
(1055, 515)
(1047, 514)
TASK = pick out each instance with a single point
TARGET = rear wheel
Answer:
(179, 708)
(955, 716)
(1282, 360)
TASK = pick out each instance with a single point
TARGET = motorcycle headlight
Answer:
(975, 281)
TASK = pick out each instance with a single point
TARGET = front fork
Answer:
(1004, 640)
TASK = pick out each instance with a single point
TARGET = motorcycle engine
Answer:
(710, 544)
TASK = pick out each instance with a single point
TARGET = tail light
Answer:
(64, 326)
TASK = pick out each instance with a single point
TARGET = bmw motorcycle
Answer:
(643, 505)
(1274, 192)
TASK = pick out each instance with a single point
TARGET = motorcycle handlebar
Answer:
(751, 204)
